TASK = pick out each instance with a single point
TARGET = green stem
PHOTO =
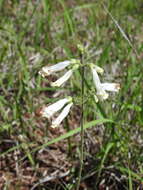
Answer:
(82, 125)
(69, 139)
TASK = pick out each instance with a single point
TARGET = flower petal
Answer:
(115, 87)
(96, 79)
(63, 79)
(101, 93)
(49, 111)
(62, 116)
(47, 70)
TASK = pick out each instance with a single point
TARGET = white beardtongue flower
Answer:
(65, 77)
(114, 87)
(48, 70)
(102, 87)
(49, 111)
(62, 116)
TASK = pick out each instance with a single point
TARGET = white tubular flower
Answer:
(63, 79)
(103, 87)
(62, 116)
(47, 70)
(49, 111)
(114, 87)
(100, 90)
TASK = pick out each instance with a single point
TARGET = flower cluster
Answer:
(66, 103)
(102, 87)
(49, 111)
(47, 70)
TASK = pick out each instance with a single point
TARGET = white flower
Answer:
(102, 87)
(114, 87)
(63, 79)
(47, 70)
(100, 91)
(62, 116)
(49, 111)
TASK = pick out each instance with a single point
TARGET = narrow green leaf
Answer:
(74, 131)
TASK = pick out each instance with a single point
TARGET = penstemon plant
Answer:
(100, 92)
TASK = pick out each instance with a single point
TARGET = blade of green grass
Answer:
(72, 132)
(133, 174)
(130, 180)
(107, 150)
(64, 136)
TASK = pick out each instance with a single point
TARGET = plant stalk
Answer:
(82, 124)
